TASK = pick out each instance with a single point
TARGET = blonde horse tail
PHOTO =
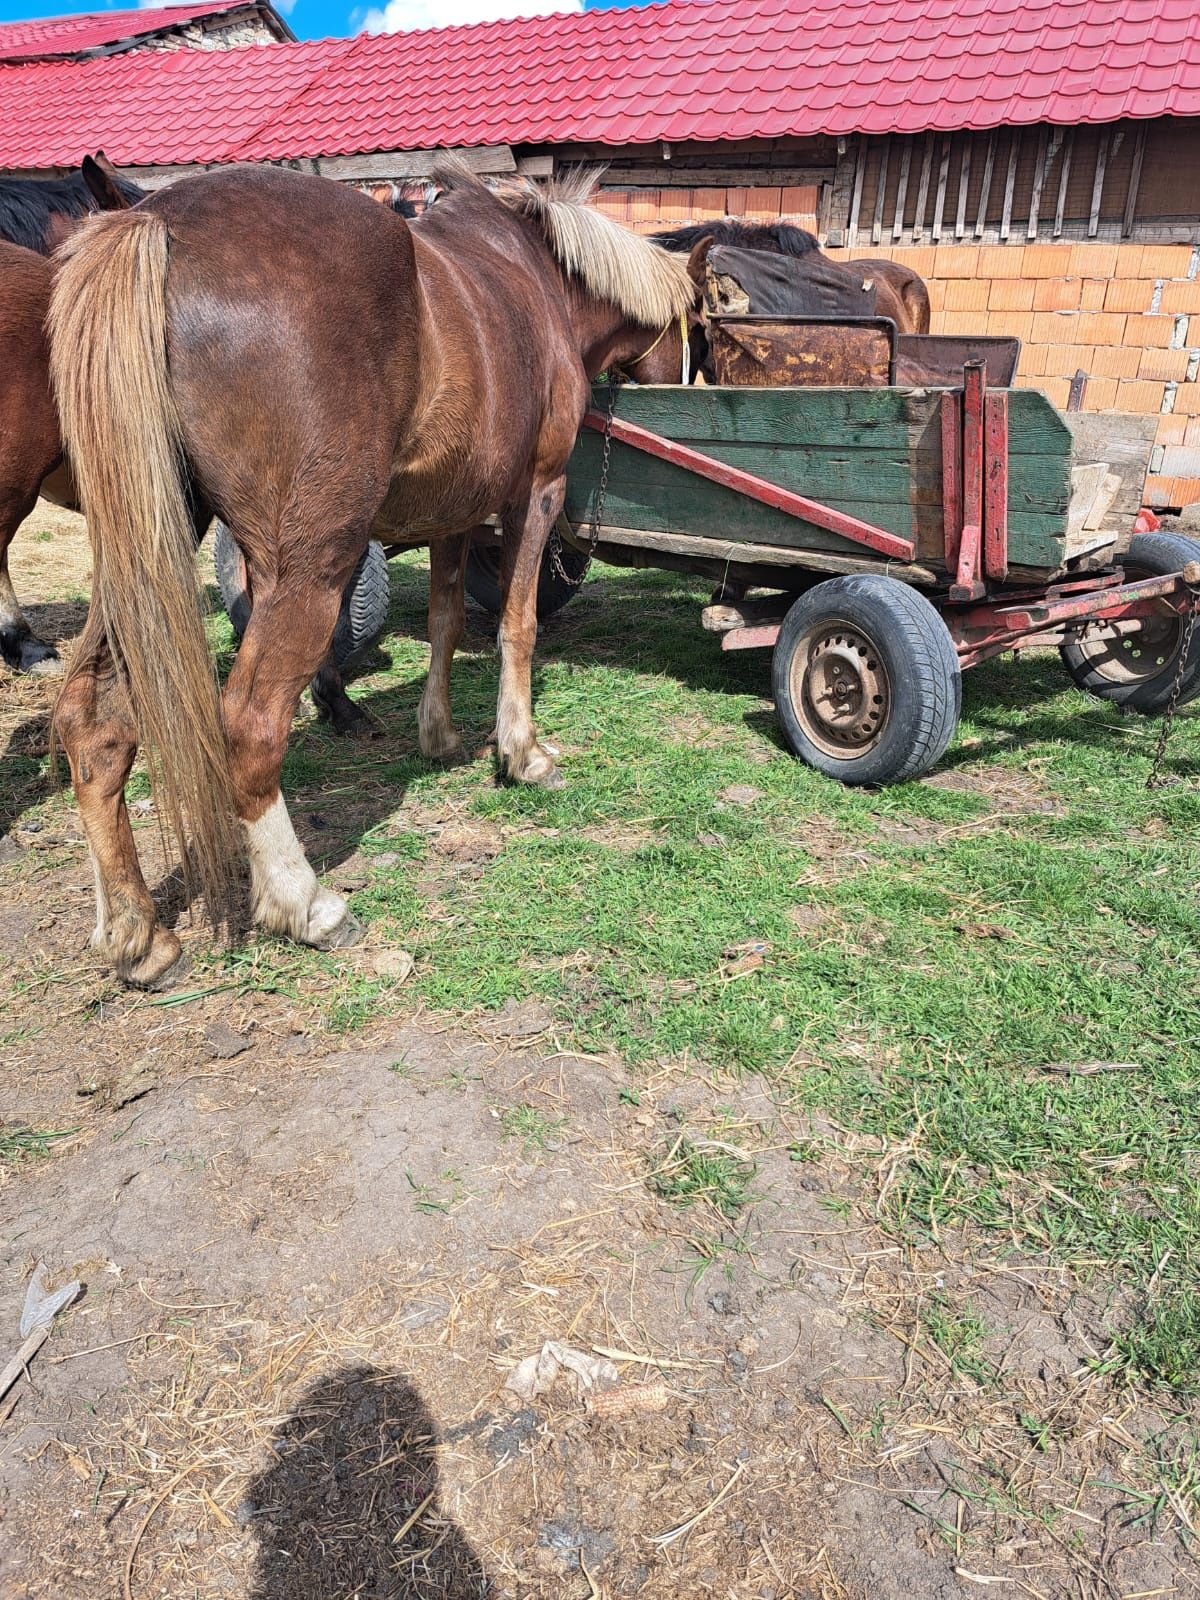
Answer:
(108, 357)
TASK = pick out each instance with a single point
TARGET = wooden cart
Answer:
(902, 534)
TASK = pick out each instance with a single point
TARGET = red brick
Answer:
(1056, 390)
(1033, 359)
(1009, 325)
(1165, 260)
(1002, 261)
(1187, 400)
(1116, 361)
(1093, 260)
(1091, 296)
(966, 294)
(1065, 360)
(955, 261)
(959, 322)
(1181, 297)
(1158, 491)
(919, 257)
(1134, 394)
(1129, 294)
(1010, 294)
(1057, 294)
(1100, 395)
(1168, 366)
(1188, 490)
(1054, 327)
(1149, 332)
(1047, 260)
(1192, 425)
(1101, 327)
(1173, 430)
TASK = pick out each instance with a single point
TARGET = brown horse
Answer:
(437, 375)
(30, 449)
(900, 293)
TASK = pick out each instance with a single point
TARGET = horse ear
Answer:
(698, 259)
(100, 177)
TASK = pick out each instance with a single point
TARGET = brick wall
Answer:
(1126, 314)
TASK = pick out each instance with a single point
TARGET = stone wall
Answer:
(213, 35)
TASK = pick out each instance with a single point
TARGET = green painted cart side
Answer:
(875, 454)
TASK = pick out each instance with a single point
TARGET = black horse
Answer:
(39, 213)
(901, 294)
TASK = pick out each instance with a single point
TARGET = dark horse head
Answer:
(780, 238)
(39, 213)
(900, 293)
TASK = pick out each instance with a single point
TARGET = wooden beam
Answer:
(1048, 144)
(677, 175)
(1063, 176)
(1098, 182)
(639, 547)
(902, 189)
(415, 163)
(923, 189)
(939, 205)
(964, 184)
(1135, 178)
(860, 173)
(985, 189)
(880, 192)
(1010, 181)
(841, 194)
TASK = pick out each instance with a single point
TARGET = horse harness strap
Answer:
(683, 339)
(556, 539)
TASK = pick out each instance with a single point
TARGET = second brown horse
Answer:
(322, 374)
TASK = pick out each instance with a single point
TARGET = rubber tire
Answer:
(483, 579)
(925, 680)
(1151, 555)
(364, 604)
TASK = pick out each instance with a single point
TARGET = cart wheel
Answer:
(867, 683)
(364, 604)
(483, 579)
(1137, 670)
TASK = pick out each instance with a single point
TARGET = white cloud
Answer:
(400, 16)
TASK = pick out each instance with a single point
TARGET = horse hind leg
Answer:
(439, 739)
(20, 647)
(285, 643)
(97, 733)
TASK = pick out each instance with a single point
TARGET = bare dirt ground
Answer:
(311, 1268)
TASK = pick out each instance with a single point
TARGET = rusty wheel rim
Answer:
(840, 690)
(1136, 657)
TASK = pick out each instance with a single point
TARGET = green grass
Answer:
(19, 1145)
(706, 1172)
(879, 1000)
(531, 1127)
(884, 1000)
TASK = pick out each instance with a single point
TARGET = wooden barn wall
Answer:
(1127, 180)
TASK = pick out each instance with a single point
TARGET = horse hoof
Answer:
(162, 967)
(454, 755)
(345, 936)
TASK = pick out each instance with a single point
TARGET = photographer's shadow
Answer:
(349, 1505)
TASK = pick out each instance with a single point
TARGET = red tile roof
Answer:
(689, 69)
(50, 37)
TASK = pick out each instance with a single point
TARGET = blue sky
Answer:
(320, 19)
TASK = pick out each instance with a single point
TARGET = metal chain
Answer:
(1156, 779)
(556, 541)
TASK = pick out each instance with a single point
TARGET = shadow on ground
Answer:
(349, 1503)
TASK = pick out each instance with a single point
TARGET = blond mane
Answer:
(649, 284)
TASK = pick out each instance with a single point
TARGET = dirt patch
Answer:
(309, 1277)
